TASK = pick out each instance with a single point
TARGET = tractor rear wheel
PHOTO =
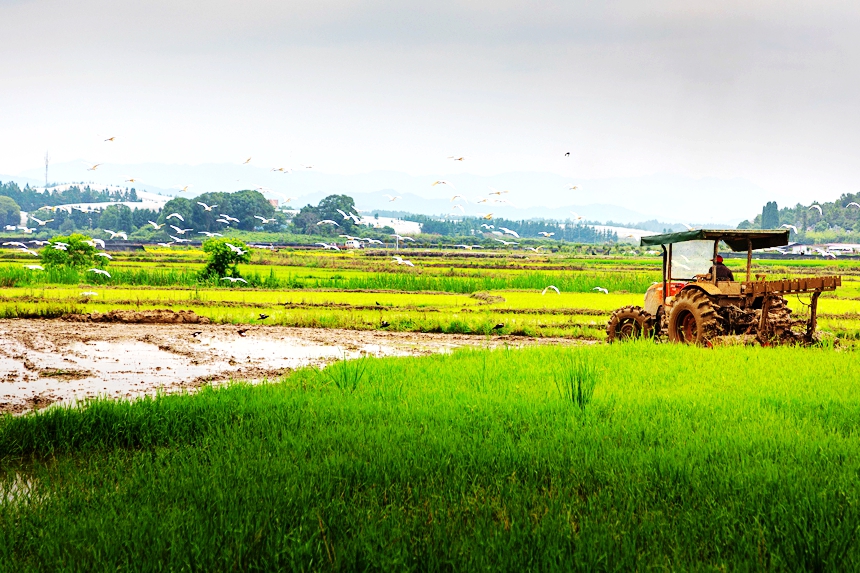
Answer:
(693, 319)
(629, 322)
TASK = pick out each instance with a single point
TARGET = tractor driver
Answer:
(723, 272)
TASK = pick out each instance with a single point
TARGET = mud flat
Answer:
(48, 361)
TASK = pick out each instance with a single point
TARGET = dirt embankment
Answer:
(156, 316)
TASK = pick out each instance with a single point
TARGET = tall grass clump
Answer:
(347, 374)
(577, 378)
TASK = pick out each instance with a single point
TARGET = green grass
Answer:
(741, 459)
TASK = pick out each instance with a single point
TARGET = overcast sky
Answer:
(765, 91)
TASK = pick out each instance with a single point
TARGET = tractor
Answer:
(693, 305)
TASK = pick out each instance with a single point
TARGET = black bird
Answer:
(567, 154)
(384, 324)
(377, 303)
(198, 333)
(264, 316)
(242, 331)
(498, 326)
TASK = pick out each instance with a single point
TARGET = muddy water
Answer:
(48, 361)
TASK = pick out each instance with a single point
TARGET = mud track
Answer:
(47, 361)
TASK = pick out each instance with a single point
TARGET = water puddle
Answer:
(44, 362)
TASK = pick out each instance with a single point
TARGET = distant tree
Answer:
(243, 205)
(10, 212)
(180, 205)
(306, 220)
(77, 253)
(117, 218)
(223, 261)
(328, 209)
(770, 216)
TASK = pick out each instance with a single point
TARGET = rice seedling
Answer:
(576, 379)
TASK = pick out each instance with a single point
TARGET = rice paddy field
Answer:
(577, 457)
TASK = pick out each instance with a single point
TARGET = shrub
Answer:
(78, 253)
(224, 257)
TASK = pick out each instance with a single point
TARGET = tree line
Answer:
(837, 221)
(30, 199)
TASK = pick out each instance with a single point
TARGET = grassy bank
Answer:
(683, 459)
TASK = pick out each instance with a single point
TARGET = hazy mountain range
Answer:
(669, 198)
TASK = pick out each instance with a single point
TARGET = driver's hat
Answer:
(718, 259)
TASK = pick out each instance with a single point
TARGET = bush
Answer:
(224, 257)
(78, 253)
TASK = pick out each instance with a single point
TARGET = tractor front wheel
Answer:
(692, 319)
(628, 323)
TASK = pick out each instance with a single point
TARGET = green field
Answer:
(590, 457)
(683, 459)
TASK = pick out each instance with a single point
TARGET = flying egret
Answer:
(165, 245)
(506, 243)
(15, 244)
(787, 226)
(534, 249)
(332, 246)
(497, 192)
(509, 232)
(155, 225)
(854, 203)
(469, 247)
(392, 197)
(104, 255)
(229, 218)
(328, 222)
(545, 234)
(205, 206)
(456, 158)
(816, 207)
(210, 235)
(29, 252)
(601, 289)
(99, 272)
(35, 267)
(443, 182)
(553, 287)
(484, 225)
(401, 261)
(94, 167)
(177, 215)
(460, 207)
(234, 279)
(41, 222)
(180, 231)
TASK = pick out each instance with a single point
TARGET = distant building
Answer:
(843, 248)
(273, 203)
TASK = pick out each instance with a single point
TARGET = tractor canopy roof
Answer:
(735, 239)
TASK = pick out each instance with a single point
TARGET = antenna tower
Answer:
(46, 170)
